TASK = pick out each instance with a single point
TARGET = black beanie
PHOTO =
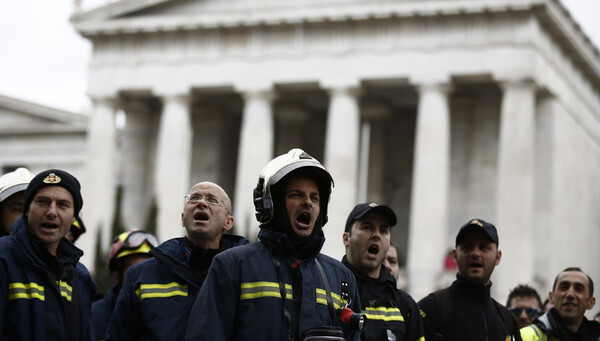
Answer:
(54, 177)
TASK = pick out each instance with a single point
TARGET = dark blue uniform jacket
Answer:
(242, 298)
(101, 311)
(37, 303)
(157, 295)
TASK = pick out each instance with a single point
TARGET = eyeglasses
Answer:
(195, 199)
(133, 241)
(531, 312)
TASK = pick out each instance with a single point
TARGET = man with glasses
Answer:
(157, 295)
(525, 303)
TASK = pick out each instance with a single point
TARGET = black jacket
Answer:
(548, 327)
(389, 310)
(473, 315)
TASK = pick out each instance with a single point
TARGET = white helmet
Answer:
(277, 169)
(14, 182)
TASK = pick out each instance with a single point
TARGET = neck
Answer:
(573, 326)
(52, 249)
(204, 243)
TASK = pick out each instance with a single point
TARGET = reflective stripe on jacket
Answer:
(391, 312)
(242, 296)
(34, 303)
(157, 294)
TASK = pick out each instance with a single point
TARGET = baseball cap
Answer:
(361, 209)
(477, 224)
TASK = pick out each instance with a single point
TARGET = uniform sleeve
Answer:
(3, 293)
(214, 312)
(415, 330)
(427, 309)
(125, 321)
(355, 306)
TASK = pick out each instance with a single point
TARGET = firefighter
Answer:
(127, 249)
(281, 287)
(12, 188)
(156, 298)
(45, 293)
(392, 313)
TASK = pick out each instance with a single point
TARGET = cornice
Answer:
(44, 112)
(109, 20)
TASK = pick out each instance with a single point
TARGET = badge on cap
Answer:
(52, 179)
(476, 222)
(372, 204)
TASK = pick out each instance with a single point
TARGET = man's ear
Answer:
(551, 297)
(346, 239)
(591, 303)
(498, 256)
(228, 223)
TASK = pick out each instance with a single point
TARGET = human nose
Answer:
(51, 210)
(523, 313)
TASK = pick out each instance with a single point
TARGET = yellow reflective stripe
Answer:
(261, 289)
(322, 298)
(25, 290)
(384, 313)
(162, 290)
(66, 290)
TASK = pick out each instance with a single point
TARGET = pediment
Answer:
(22, 116)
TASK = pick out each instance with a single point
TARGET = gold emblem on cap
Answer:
(52, 179)
(476, 222)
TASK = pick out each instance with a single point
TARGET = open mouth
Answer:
(373, 250)
(304, 218)
(202, 216)
(49, 226)
(475, 265)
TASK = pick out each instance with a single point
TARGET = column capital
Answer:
(258, 94)
(517, 83)
(338, 86)
(176, 97)
(107, 101)
(443, 87)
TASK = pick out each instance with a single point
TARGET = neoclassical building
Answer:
(444, 110)
(40, 137)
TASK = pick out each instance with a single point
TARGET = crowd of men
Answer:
(214, 285)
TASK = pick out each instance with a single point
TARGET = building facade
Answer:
(445, 110)
(39, 137)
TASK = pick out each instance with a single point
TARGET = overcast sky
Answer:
(44, 60)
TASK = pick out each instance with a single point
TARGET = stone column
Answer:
(101, 178)
(515, 186)
(255, 151)
(137, 173)
(429, 199)
(341, 160)
(173, 160)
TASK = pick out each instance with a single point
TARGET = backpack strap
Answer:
(443, 317)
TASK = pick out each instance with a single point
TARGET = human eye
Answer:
(42, 201)
(212, 200)
(315, 198)
(64, 204)
(385, 229)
